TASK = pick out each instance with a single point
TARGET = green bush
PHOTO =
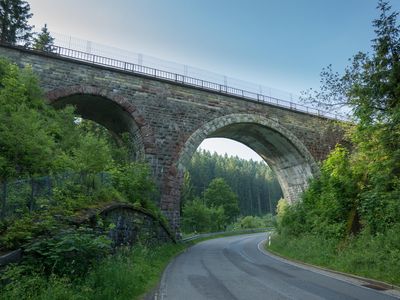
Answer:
(19, 231)
(253, 222)
(70, 252)
(133, 180)
(198, 217)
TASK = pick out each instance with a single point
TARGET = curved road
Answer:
(235, 268)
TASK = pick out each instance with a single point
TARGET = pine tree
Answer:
(14, 27)
(44, 41)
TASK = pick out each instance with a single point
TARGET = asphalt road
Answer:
(234, 268)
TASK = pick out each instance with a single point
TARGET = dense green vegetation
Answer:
(218, 189)
(349, 217)
(126, 275)
(254, 183)
(60, 260)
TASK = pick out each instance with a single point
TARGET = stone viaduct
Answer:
(168, 118)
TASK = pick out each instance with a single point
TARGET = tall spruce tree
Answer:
(14, 27)
(43, 41)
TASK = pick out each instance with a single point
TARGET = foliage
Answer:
(350, 213)
(372, 256)
(133, 272)
(71, 252)
(219, 194)
(361, 188)
(43, 41)
(25, 228)
(133, 180)
(281, 209)
(198, 217)
(255, 184)
(14, 27)
(254, 222)
(24, 133)
(187, 193)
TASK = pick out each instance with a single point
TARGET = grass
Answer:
(127, 275)
(376, 257)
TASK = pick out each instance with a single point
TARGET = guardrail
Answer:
(244, 231)
(207, 85)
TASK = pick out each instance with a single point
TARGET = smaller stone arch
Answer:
(95, 103)
(281, 149)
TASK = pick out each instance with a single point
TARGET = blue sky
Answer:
(283, 44)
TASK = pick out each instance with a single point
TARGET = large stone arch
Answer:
(109, 109)
(282, 150)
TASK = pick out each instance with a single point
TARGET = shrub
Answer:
(71, 252)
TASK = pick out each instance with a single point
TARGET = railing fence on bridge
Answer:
(97, 54)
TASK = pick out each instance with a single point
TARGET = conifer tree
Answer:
(14, 27)
(44, 41)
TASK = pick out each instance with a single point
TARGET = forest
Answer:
(253, 182)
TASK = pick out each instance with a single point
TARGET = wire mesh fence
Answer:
(99, 54)
(32, 194)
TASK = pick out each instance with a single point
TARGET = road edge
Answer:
(388, 289)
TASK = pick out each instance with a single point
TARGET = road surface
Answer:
(235, 268)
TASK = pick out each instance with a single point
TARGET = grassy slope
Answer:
(373, 257)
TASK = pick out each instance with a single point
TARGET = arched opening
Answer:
(108, 114)
(284, 153)
(246, 173)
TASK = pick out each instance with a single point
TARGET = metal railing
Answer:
(234, 232)
(96, 54)
(189, 81)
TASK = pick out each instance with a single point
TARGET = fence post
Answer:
(3, 200)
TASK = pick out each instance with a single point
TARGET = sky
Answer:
(283, 44)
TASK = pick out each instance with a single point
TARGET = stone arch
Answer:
(281, 149)
(109, 109)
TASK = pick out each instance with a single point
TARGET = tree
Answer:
(14, 27)
(44, 41)
(361, 187)
(219, 194)
(369, 87)
(26, 144)
(197, 217)
(186, 190)
(254, 182)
